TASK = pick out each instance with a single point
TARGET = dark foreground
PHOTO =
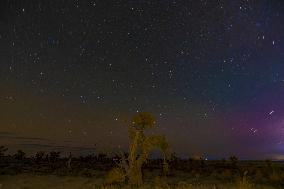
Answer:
(90, 173)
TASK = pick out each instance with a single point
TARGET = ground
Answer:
(28, 181)
(183, 174)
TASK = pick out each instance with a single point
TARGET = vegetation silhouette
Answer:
(134, 168)
(130, 167)
(3, 149)
(39, 156)
(244, 174)
(20, 155)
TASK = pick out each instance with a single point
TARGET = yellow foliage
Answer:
(143, 120)
(140, 148)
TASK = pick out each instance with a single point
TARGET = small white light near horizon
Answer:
(271, 112)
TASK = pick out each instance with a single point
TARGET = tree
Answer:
(20, 155)
(54, 156)
(130, 167)
(234, 160)
(101, 157)
(3, 149)
(68, 162)
(39, 156)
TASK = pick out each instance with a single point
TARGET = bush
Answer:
(244, 182)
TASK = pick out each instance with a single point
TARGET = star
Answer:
(271, 112)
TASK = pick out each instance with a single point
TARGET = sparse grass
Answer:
(25, 174)
(244, 183)
(276, 176)
(67, 182)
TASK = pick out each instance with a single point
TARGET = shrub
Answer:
(20, 155)
(275, 176)
(39, 156)
(3, 149)
(244, 182)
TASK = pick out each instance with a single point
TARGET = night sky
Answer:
(211, 72)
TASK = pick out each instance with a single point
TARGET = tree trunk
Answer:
(135, 175)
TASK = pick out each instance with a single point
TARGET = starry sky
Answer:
(211, 72)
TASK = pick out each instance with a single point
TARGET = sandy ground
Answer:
(46, 182)
(26, 181)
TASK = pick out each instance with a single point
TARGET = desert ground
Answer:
(90, 173)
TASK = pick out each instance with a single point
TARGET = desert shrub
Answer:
(268, 163)
(214, 174)
(20, 155)
(39, 156)
(86, 172)
(234, 160)
(116, 175)
(275, 176)
(3, 149)
(160, 183)
(258, 175)
(227, 174)
(244, 183)
(53, 156)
